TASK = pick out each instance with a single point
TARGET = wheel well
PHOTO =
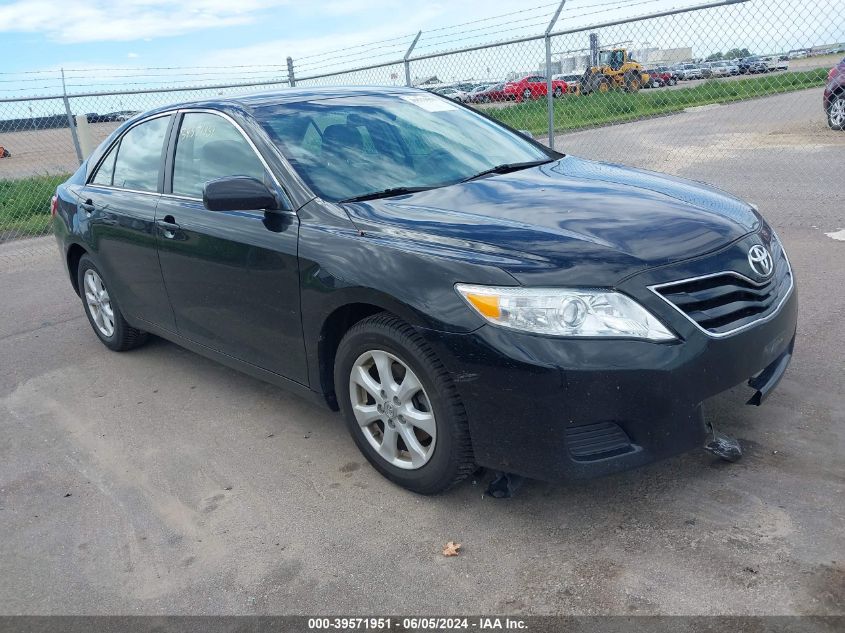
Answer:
(335, 326)
(74, 254)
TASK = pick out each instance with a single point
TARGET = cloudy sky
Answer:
(321, 35)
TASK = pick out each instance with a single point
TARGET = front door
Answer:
(232, 276)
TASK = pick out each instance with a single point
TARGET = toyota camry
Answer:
(464, 295)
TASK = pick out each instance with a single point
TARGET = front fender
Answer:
(340, 266)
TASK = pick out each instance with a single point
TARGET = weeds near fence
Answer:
(25, 205)
(574, 111)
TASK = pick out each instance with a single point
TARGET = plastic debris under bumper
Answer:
(766, 381)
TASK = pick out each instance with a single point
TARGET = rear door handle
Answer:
(168, 226)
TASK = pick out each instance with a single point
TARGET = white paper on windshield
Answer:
(429, 102)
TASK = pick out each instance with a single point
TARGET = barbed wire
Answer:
(362, 55)
(444, 40)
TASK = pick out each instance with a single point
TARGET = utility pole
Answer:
(549, 94)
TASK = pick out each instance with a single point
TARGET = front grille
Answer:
(729, 301)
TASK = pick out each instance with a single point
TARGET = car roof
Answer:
(286, 95)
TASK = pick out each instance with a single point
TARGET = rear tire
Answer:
(526, 94)
(102, 309)
(390, 385)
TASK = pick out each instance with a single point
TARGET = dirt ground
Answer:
(160, 482)
(38, 152)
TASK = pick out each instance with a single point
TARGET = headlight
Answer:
(564, 312)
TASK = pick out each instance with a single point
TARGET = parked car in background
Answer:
(797, 54)
(753, 65)
(782, 63)
(689, 71)
(667, 76)
(471, 94)
(771, 63)
(455, 94)
(715, 70)
(572, 80)
(652, 81)
(533, 87)
(471, 299)
(733, 68)
(124, 115)
(834, 97)
(493, 93)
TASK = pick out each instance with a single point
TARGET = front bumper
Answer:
(552, 408)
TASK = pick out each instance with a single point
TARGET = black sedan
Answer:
(465, 296)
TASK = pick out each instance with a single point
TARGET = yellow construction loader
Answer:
(615, 71)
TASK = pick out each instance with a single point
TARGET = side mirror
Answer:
(238, 193)
(526, 133)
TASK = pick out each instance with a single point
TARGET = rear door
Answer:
(118, 205)
(232, 276)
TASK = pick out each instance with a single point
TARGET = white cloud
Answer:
(125, 20)
(132, 55)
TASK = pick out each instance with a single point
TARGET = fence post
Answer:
(594, 50)
(71, 123)
(550, 106)
(406, 62)
(291, 78)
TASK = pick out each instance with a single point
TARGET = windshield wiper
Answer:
(385, 193)
(507, 167)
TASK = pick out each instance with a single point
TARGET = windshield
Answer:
(346, 147)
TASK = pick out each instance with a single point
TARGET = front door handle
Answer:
(87, 206)
(168, 226)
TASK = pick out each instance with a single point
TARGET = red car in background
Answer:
(834, 97)
(492, 93)
(665, 75)
(533, 87)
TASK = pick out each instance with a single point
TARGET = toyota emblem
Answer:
(760, 260)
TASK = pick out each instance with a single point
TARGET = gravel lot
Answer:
(159, 482)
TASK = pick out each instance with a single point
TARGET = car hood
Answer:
(570, 221)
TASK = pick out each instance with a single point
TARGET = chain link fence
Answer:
(561, 85)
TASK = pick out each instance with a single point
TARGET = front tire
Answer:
(102, 310)
(401, 406)
(526, 94)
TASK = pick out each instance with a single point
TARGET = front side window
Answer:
(139, 156)
(370, 143)
(210, 147)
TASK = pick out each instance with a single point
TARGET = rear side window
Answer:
(209, 147)
(106, 171)
(139, 156)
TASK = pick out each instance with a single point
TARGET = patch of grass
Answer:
(25, 205)
(574, 112)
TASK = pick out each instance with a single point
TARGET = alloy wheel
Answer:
(392, 409)
(99, 303)
(837, 112)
